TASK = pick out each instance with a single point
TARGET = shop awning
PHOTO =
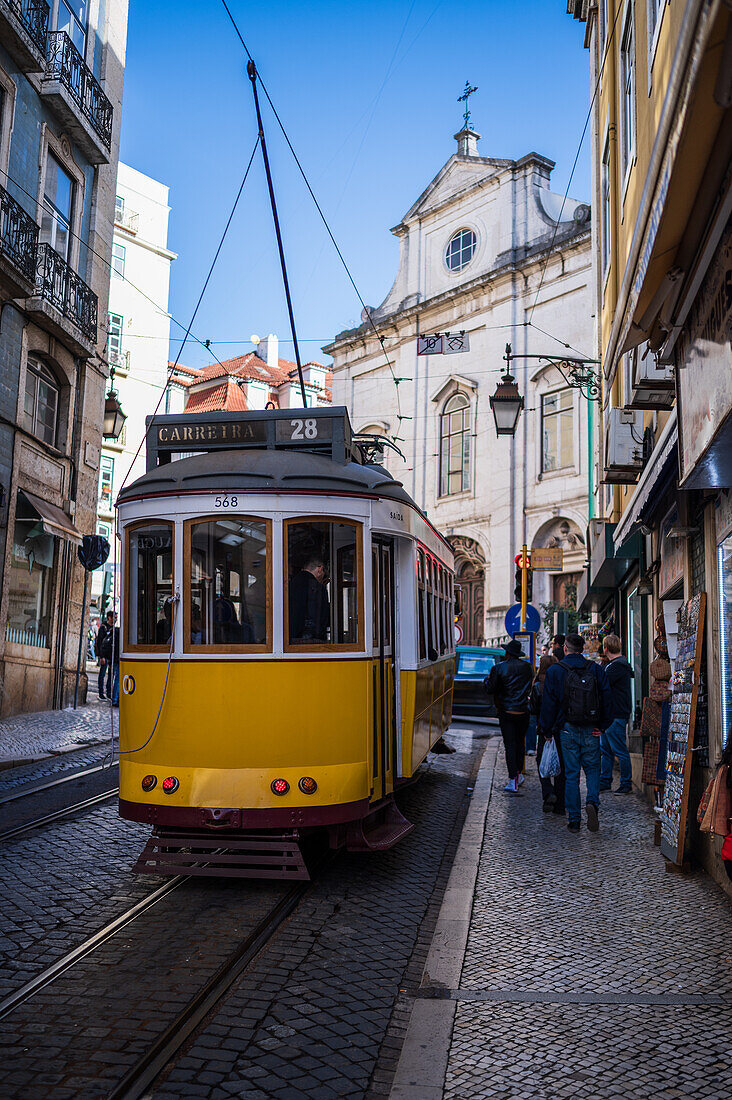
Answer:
(607, 568)
(54, 520)
(646, 491)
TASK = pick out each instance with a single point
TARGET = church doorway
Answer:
(470, 575)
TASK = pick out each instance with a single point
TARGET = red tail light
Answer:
(279, 786)
(170, 784)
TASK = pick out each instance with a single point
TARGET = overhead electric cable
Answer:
(576, 159)
(173, 366)
(366, 310)
(124, 278)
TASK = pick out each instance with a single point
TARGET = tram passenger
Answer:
(309, 603)
(163, 625)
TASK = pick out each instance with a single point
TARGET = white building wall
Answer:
(509, 501)
(140, 362)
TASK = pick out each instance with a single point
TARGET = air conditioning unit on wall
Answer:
(651, 383)
(623, 446)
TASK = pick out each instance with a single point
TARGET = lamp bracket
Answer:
(577, 372)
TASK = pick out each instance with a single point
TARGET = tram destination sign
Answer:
(197, 433)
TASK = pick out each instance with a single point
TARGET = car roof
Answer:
(476, 649)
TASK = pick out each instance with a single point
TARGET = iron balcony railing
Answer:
(18, 236)
(33, 15)
(65, 64)
(66, 291)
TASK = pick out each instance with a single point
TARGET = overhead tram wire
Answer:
(318, 207)
(124, 278)
(576, 159)
(252, 73)
(173, 367)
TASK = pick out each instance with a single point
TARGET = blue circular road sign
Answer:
(513, 618)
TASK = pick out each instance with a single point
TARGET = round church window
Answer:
(460, 250)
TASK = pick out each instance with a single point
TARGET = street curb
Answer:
(422, 1066)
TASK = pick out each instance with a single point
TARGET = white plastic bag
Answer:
(550, 764)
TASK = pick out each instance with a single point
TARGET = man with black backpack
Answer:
(576, 704)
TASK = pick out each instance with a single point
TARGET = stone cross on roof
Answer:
(464, 98)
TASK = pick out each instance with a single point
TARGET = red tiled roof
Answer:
(227, 396)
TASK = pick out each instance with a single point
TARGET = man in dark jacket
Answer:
(510, 683)
(576, 704)
(104, 654)
(613, 741)
(309, 604)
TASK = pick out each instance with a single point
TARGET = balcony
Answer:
(63, 303)
(120, 360)
(23, 26)
(127, 219)
(18, 245)
(77, 98)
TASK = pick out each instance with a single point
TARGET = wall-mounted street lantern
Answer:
(507, 402)
(114, 418)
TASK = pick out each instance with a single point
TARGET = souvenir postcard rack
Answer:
(685, 688)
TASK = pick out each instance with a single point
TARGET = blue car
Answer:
(473, 664)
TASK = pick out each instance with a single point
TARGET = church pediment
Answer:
(451, 182)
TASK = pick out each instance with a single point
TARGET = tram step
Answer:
(382, 829)
(178, 851)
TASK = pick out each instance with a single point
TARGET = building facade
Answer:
(662, 150)
(488, 256)
(61, 78)
(138, 334)
(257, 380)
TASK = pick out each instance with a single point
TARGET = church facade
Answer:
(487, 255)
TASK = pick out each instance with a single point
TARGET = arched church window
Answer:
(455, 446)
(460, 249)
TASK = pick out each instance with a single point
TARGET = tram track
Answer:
(38, 788)
(58, 815)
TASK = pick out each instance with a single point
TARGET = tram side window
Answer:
(421, 596)
(150, 604)
(228, 583)
(323, 578)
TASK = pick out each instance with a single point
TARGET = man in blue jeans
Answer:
(613, 741)
(576, 705)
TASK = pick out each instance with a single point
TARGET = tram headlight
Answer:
(308, 785)
(170, 784)
(279, 786)
(149, 782)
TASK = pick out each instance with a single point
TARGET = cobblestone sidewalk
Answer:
(32, 736)
(589, 970)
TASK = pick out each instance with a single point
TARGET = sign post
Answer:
(524, 586)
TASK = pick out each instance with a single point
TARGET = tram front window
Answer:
(228, 583)
(150, 584)
(323, 567)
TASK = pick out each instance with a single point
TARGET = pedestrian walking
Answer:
(115, 666)
(577, 703)
(509, 683)
(552, 788)
(104, 654)
(613, 742)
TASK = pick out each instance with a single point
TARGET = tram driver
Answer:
(309, 603)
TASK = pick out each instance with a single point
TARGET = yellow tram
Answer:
(287, 650)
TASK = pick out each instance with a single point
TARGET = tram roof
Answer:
(263, 470)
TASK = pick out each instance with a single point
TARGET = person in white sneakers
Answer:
(510, 683)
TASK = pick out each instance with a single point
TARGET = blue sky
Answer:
(368, 95)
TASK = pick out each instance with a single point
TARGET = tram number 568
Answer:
(225, 501)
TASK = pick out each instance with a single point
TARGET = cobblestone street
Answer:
(33, 736)
(588, 970)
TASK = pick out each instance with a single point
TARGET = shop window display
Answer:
(725, 631)
(30, 581)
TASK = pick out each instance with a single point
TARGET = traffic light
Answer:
(517, 590)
